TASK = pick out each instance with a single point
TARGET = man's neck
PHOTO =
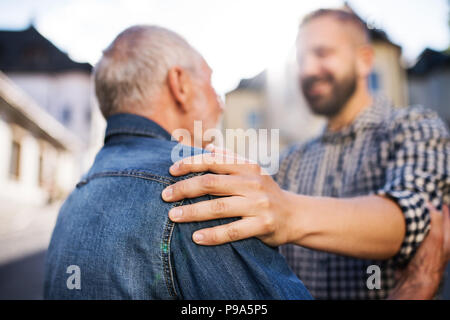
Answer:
(171, 125)
(355, 105)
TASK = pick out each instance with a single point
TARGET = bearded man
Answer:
(348, 202)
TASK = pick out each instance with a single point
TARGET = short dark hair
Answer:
(342, 16)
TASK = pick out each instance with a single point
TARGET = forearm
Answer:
(369, 227)
(422, 276)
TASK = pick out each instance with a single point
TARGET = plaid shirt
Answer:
(403, 154)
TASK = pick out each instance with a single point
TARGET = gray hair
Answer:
(135, 65)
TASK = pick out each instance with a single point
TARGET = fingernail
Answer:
(176, 213)
(167, 193)
(198, 237)
(174, 167)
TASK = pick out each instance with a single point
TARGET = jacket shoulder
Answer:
(141, 155)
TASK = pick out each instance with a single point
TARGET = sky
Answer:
(238, 38)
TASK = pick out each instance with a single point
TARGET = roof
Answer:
(28, 51)
(257, 83)
(20, 108)
(428, 61)
(375, 34)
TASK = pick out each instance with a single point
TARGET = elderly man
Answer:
(113, 238)
(348, 202)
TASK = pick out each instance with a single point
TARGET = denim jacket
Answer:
(113, 238)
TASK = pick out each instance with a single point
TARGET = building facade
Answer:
(38, 162)
(429, 80)
(60, 93)
(60, 86)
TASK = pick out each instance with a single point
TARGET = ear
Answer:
(180, 86)
(365, 60)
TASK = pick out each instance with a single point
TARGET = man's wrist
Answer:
(297, 222)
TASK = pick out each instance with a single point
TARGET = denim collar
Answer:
(131, 124)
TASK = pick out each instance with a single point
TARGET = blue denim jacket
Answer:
(114, 227)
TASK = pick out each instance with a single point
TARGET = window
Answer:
(14, 164)
(253, 119)
(374, 82)
(88, 114)
(66, 115)
(41, 170)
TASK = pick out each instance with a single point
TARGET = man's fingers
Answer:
(227, 207)
(217, 163)
(213, 149)
(224, 151)
(213, 184)
(230, 232)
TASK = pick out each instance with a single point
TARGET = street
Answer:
(24, 236)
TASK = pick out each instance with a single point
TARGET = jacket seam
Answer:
(169, 225)
(139, 132)
(134, 174)
(165, 254)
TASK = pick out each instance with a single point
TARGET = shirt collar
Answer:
(368, 118)
(131, 124)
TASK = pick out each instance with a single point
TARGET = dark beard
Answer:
(330, 105)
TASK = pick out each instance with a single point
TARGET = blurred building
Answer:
(59, 86)
(50, 77)
(38, 153)
(273, 99)
(429, 82)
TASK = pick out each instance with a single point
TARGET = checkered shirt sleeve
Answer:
(417, 173)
